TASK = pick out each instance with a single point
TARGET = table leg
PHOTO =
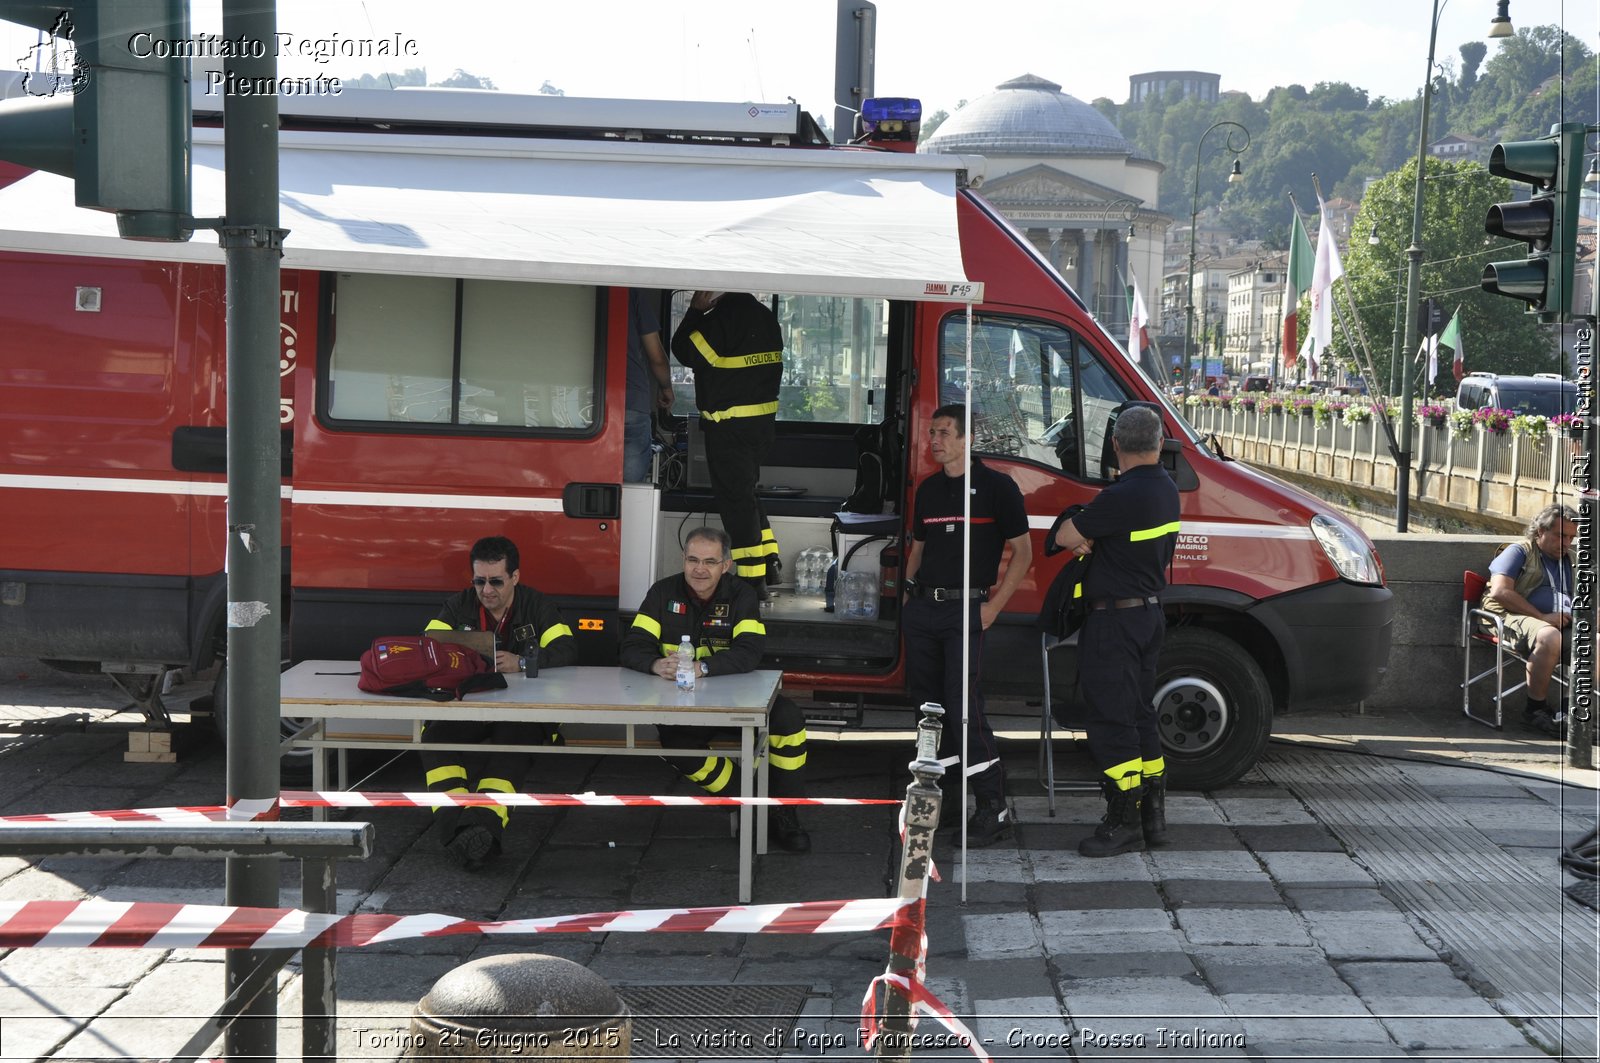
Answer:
(746, 789)
(764, 822)
(319, 771)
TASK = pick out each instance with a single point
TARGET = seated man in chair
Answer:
(1530, 586)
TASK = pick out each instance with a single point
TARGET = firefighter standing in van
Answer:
(1132, 528)
(525, 623)
(936, 602)
(735, 347)
(722, 618)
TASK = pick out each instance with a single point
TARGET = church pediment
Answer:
(1046, 186)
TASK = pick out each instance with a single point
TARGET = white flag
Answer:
(1138, 319)
(1430, 344)
(1327, 270)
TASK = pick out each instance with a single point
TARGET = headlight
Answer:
(1347, 550)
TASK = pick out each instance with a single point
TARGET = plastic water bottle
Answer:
(686, 666)
(851, 594)
(804, 567)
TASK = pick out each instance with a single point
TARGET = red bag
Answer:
(416, 666)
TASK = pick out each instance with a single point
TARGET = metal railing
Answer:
(315, 845)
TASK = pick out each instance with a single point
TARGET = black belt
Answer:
(949, 594)
(1123, 603)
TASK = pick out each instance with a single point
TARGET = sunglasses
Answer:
(493, 581)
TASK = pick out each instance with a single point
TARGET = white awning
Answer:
(648, 215)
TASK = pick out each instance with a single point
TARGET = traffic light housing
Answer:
(1547, 222)
(119, 124)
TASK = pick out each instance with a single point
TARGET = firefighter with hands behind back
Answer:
(1131, 527)
(721, 617)
(527, 629)
(937, 600)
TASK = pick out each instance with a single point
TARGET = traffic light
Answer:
(1547, 223)
(117, 120)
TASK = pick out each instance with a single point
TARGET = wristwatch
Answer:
(700, 669)
(522, 664)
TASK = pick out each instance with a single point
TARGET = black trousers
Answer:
(1117, 652)
(713, 773)
(933, 673)
(735, 451)
(447, 771)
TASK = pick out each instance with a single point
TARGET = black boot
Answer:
(1121, 830)
(991, 822)
(787, 832)
(1153, 809)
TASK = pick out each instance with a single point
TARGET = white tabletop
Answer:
(323, 688)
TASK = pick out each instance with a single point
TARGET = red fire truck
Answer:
(454, 313)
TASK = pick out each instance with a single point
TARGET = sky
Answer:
(940, 51)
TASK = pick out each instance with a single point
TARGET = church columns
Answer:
(1087, 274)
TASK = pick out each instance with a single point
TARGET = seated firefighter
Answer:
(525, 624)
(721, 614)
(1530, 587)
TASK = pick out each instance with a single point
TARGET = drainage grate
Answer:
(697, 1022)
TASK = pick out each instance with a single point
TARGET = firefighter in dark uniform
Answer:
(735, 347)
(1132, 528)
(936, 601)
(722, 617)
(525, 623)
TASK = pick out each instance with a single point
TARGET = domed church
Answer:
(1062, 174)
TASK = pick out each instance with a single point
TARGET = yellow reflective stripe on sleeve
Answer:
(553, 632)
(749, 627)
(649, 624)
(1126, 774)
(740, 552)
(787, 763)
(449, 771)
(668, 649)
(1077, 590)
(733, 361)
(758, 569)
(1153, 533)
(760, 409)
(437, 625)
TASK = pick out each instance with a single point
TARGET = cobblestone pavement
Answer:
(1380, 887)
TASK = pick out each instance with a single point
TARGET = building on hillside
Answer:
(1061, 173)
(1192, 84)
(1211, 284)
(1460, 147)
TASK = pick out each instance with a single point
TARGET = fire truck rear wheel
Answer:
(293, 768)
(1213, 708)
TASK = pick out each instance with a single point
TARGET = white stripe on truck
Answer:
(1212, 528)
(216, 489)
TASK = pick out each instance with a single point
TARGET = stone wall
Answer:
(1424, 572)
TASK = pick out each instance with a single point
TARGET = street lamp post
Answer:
(1234, 129)
(1402, 507)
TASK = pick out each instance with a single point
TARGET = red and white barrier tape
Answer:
(959, 1036)
(149, 925)
(427, 799)
(264, 808)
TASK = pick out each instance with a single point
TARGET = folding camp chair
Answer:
(1481, 627)
(1047, 751)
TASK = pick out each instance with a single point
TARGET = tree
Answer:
(931, 124)
(416, 77)
(463, 80)
(1472, 54)
(1498, 336)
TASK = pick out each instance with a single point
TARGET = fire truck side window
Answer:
(1037, 393)
(522, 356)
(835, 358)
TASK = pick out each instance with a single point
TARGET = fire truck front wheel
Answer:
(1213, 708)
(293, 768)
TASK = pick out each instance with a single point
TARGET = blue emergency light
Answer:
(891, 121)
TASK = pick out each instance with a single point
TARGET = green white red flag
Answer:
(1297, 278)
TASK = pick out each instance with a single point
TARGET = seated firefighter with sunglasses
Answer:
(527, 628)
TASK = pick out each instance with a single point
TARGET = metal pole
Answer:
(923, 801)
(1394, 359)
(251, 241)
(1402, 508)
(1582, 644)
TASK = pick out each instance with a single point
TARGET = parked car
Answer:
(1546, 394)
(1256, 383)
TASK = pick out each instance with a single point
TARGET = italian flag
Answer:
(1138, 320)
(1297, 278)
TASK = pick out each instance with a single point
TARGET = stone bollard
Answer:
(520, 1007)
